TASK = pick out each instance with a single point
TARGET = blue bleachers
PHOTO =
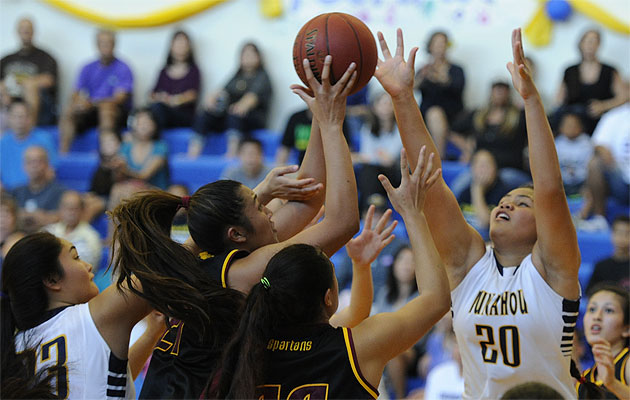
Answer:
(451, 169)
(198, 172)
(75, 170)
(85, 142)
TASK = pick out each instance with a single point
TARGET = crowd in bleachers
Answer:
(62, 178)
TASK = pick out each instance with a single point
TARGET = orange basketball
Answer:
(346, 38)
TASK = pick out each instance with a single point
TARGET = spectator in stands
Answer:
(446, 380)
(384, 261)
(145, 155)
(240, 107)
(80, 233)
(297, 134)
(435, 346)
(31, 74)
(16, 140)
(441, 84)
(109, 171)
(102, 95)
(609, 169)
(400, 289)
(175, 94)
(357, 112)
(39, 198)
(498, 128)
(484, 192)
(9, 229)
(614, 269)
(574, 147)
(591, 87)
(251, 169)
(379, 150)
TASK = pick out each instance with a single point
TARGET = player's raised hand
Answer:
(328, 102)
(364, 248)
(410, 195)
(393, 72)
(521, 75)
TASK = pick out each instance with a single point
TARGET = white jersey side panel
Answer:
(511, 329)
(89, 369)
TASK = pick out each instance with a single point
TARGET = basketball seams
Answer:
(358, 40)
(332, 73)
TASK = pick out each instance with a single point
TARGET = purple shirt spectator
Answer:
(191, 81)
(103, 81)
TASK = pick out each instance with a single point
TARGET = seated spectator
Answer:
(145, 155)
(484, 192)
(383, 263)
(441, 84)
(80, 233)
(380, 149)
(31, 74)
(357, 112)
(573, 146)
(296, 135)
(240, 107)
(251, 168)
(435, 346)
(614, 269)
(102, 95)
(401, 288)
(16, 140)
(177, 89)
(38, 200)
(498, 127)
(9, 229)
(446, 380)
(609, 169)
(591, 87)
(109, 171)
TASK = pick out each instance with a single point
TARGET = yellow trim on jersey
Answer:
(226, 262)
(204, 255)
(352, 364)
(622, 373)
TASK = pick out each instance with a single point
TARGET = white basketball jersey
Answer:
(88, 370)
(512, 328)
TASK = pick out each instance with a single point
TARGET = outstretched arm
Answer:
(363, 250)
(341, 219)
(293, 216)
(459, 245)
(381, 337)
(556, 254)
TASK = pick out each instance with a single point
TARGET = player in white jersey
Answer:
(515, 303)
(62, 339)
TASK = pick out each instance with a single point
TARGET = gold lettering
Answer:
(494, 310)
(477, 303)
(513, 303)
(308, 345)
(522, 302)
(504, 302)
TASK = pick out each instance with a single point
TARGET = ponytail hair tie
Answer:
(186, 202)
(265, 283)
(582, 380)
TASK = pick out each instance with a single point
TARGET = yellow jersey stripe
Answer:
(226, 262)
(622, 374)
(354, 367)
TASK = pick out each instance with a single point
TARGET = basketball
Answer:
(346, 38)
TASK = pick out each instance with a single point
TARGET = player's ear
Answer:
(236, 234)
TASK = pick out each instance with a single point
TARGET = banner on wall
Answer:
(539, 30)
(166, 15)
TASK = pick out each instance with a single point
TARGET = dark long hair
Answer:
(254, 46)
(172, 281)
(622, 295)
(213, 209)
(191, 54)
(32, 260)
(299, 276)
